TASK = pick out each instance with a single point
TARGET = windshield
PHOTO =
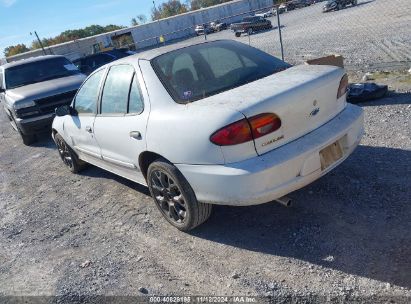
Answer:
(39, 71)
(203, 70)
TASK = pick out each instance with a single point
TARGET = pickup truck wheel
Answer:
(27, 139)
(237, 34)
(174, 196)
(68, 156)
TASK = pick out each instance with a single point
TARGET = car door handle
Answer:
(135, 134)
(89, 129)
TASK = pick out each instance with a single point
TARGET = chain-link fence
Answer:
(369, 34)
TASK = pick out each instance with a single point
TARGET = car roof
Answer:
(29, 60)
(153, 53)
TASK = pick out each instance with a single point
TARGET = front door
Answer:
(79, 128)
(121, 122)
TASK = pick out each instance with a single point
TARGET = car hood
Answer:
(46, 88)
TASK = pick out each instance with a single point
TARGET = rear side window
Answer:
(86, 98)
(136, 104)
(116, 90)
(203, 70)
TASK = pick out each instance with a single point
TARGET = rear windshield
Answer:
(39, 71)
(200, 71)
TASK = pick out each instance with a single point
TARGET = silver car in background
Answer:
(212, 123)
(32, 89)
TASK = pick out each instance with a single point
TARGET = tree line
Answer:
(175, 7)
(166, 9)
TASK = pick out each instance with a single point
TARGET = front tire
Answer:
(237, 34)
(27, 139)
(174, 196)
(68, 156)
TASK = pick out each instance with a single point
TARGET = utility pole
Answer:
(41, 44)
(279, 32)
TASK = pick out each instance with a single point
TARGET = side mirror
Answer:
(63, 111)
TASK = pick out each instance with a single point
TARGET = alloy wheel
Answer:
(64, 152)
(168, 196)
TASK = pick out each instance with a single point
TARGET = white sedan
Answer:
(213, 123)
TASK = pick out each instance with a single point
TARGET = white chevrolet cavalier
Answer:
(212, 123)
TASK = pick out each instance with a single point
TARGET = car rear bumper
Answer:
(272, 175)
(35, 125)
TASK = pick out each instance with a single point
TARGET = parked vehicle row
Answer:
(186, 122)
(212, 27)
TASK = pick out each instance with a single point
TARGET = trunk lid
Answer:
(304, 97)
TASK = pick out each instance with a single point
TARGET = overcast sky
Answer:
(51, 17)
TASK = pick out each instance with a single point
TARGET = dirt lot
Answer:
(347, 235)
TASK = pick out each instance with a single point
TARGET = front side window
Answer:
(203, 70)
(116, 90)
(38, 71)
(86, 98)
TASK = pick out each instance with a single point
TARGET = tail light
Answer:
(342, 89)
(245, 130)
(264, 124)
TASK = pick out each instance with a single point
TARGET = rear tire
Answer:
(237, 34)
(174, 196)
(68, 156)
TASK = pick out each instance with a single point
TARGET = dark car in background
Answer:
(250, 25)
(92, 62)
(336, 5)
(31, 90)
(217, 26)
(294, 4)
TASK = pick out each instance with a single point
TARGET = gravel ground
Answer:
(347, 235)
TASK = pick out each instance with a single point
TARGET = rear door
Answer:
(120, 126)
(79, 128)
